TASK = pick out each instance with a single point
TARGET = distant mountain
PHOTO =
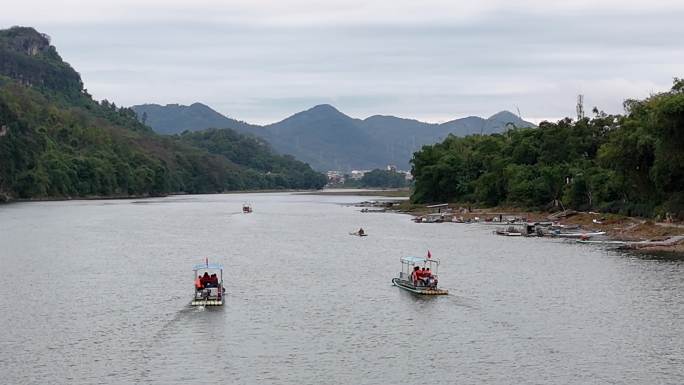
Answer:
(176, 118)
(327, 139)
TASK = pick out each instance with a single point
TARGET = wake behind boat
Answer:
(419, 275)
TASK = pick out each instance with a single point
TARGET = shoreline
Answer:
(634, 231)
(392, 193)
(389, 193)
(124, 197)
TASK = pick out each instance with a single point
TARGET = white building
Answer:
(358, 174)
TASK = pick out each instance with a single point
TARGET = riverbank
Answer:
(390, 193)
(146, 196)
(635, 231)
(84, 198)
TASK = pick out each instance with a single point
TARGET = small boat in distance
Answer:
(407, 279)
(209, 290)
(360, 233)
(246, 208)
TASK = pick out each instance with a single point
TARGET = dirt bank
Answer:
(617, 227)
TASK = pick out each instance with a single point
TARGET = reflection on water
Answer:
(99, 291)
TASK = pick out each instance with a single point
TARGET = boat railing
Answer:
(409, 277)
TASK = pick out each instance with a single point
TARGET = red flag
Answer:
(429, 254)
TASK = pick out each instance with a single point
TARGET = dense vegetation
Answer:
(384, 179)
(631, 164)
(272, 171)
(374, 179)
(55, 141)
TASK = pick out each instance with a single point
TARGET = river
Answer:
(98, 292)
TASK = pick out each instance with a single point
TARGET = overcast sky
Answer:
(432, 60)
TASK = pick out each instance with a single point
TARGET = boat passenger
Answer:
(419, 276)
(361, 232)
(428, 277)
(214, 280)
(414, 275)
(424, 276)
(205, 280)
(198, 283)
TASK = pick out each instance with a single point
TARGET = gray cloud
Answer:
(261, 62)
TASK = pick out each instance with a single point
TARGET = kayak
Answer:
(359, 235)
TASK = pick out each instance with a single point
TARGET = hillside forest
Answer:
(631, 164)
(57, 142)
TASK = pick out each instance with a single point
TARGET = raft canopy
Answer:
(417, 260)
(208, 266)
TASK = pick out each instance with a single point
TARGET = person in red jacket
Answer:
(415, 275)
(198, 283)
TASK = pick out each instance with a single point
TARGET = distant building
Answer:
(391, 167)
(358, 174)
(335, 177)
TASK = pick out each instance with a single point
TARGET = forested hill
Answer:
(328, 139)
(175, 118)
(631, 164)
(56, 141)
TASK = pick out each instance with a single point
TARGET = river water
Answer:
(98, 292)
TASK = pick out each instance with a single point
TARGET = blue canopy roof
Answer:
(211, 266)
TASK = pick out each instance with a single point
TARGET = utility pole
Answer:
(580, 107)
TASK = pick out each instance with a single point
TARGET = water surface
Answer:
(98, 292)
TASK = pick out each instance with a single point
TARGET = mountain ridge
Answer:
(328, 139)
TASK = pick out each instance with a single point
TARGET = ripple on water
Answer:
(308, 304)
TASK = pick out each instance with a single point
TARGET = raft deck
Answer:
(420, 290)
(207, 302)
